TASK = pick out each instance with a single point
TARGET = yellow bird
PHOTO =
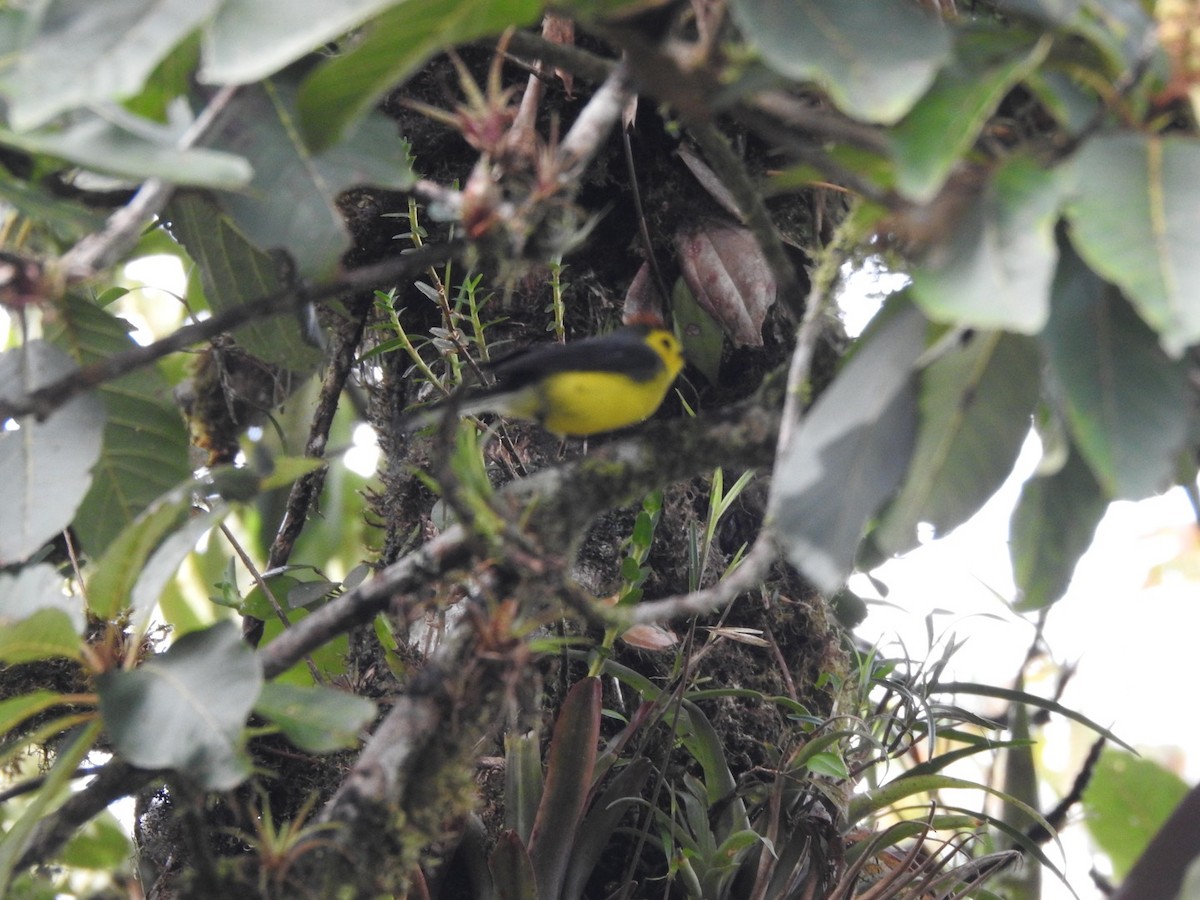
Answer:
(578, 389)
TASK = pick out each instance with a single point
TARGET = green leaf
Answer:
(336, 97)
(599, 826)
(976, 405)
(1053, 524)
(132, 148)
(16, 710)
(829, 763)
(880, 798)
(874, 59)
(943, 126)
(850, 450)
(85, 53)
(522, 782)
(513, 877)
(103, 844)
(145, 448)
(329, 658)
(185, 709)
(251, 39)
(571, 761)
(719, 788)
(995, 269)
(701, 335)
(1127, 801)
(317, 719)
(66, 219)
(45, 467)
(163, 564)
(33, 589)
(1134, 216)
(286, 469)
(1120, 394)
(46, 634)
(170, 81)
(115, 577)
(1016, 696)
(291, 203)
(234, 271)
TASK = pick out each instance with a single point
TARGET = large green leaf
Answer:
(975, 403)
(251, 39)
(874, 59)
(850, 450)
(84, 53)
(1134, 217)
(234, 272)
(995, 269)
(1126, 802)
(1122, 397)
(291, 203)
(944, 125)
(343, 90)
(145, 449)
(45, 467)
(317, 719)
(1053, 524)
(133, 149)
(185, 709)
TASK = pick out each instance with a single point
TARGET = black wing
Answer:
(622, 351)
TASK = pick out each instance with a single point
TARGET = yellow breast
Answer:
(584, 403)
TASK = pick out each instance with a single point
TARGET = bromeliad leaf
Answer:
(335, 98)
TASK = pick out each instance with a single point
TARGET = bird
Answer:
(577, 389)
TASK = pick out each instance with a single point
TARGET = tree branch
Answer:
(46, 400)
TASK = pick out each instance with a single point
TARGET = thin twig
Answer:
(308, 487)
(562, 56)
(592, 125)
